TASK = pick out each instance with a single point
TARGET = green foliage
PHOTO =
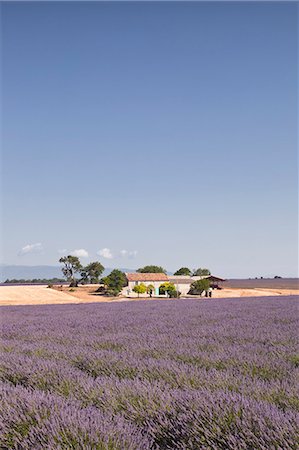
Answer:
(140, 289)
(151, 269)
(183, 271)
(294, 360)
(201, 272)
(174, 294)
(71, 266)
(35, 281)
(114, 282)
(92, 272)
(197, 287)
(169, 289)
(150, 289)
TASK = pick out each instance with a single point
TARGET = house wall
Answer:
(183, 288)
(182, 282)
(128, 290)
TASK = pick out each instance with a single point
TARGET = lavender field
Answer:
(183, 374)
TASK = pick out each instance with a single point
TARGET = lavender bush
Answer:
(182, 374)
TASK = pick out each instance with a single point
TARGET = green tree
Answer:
(201, 272)
(199, 286)
(71, 266)
(140, 289)
(169, 289)
(150, 289)
(183, 271)
(92, 272)
(151, 269)
(114, 282)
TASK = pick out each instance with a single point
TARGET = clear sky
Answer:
(151, 133)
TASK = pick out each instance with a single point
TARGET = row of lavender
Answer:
(186, 374)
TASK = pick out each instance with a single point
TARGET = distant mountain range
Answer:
(30, 272)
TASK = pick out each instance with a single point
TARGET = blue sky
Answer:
(151, 133)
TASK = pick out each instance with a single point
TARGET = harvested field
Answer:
(181, 374)
(41, 295)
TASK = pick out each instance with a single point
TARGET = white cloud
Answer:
(105, 253)
(133, 254)
(128, 253)
(31, 248)
(80, 253)
(62, 251)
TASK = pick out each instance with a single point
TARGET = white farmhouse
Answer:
(181, 282)
(154, 279)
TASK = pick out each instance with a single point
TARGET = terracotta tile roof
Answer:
(180, 279)
(146, 277)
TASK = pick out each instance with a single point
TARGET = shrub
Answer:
(114, 282)
(197, 287)
(169, 289)
(139, 289)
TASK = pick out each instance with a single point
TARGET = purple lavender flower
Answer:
(183, 374)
